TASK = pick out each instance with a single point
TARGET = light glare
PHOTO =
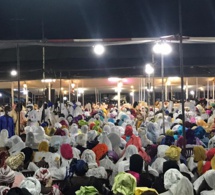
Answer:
(99, 49)
(13, 73)
(162, 48)
(149, 69)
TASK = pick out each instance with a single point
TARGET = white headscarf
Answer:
(211, 143)
(91, 135)
(3, 137)
(90, 158)
(32, 185)
(42, 174)
(39, 134)
(209, 177)
(15, 144)
(176, 183)
(129, 151)
(84, 129)
(161, 150)
(103, 139)
(158, 164)
(107, 129)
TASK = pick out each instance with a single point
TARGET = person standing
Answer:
(31, 115)
(6, 122)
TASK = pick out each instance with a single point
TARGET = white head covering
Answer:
(32, 185)
(39, 134)
(91, 135)
(161, 150)
(98, 172)
(42, 174)
(15, 144)
(66, 139)
(3, 137)
(56, 141)
(107, 129)
(176, 183)
(172, 176)
(30, 141)
(129, 151)
(84, 129)
(57, 125)
(76, 153)
(142, 132)
(28, 129)
(209, 177)
(54, 160)
(73, 130)
(81, 140)
(90, 158)
(103, 139)
(114, 139)
(211, 143)
(158, 164)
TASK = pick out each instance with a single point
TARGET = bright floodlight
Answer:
(13, 72)
(64, 98)
(132, 93)
(149, 69)
(99, 49)
(0, 94)
(192, 92)
(162, 48)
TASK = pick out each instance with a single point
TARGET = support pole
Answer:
(69, 90)
(26, 96)
(144, 89)
(12, 93)
(162, 92)
(49, 90)
(18, 79)
(197, 94)
(187, 94)
(181, 67)
(213, 90)
(166, 91)
(208, 89)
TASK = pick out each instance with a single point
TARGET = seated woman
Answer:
(144, 179)
(79, 168)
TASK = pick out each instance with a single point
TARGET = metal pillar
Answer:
(12, 93)
(18, 79)
(162, 91)
(197, 95)
(144, 90)
(69, 90)
(213, 90)
(166, 91)
(208, 89)
(49, 91)
(187, 95)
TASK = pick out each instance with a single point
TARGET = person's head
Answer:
(78, 167)
(30, 107)
(45, 105)
(7, 109)
(136, 163)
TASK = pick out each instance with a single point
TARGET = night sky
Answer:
(65, 19)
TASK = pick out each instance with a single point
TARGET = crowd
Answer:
(66, 148)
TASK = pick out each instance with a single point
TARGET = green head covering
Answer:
(87, 190)
(124, 183)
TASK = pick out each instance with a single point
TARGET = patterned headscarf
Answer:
(6, 175)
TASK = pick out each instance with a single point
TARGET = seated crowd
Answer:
(104, 151)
